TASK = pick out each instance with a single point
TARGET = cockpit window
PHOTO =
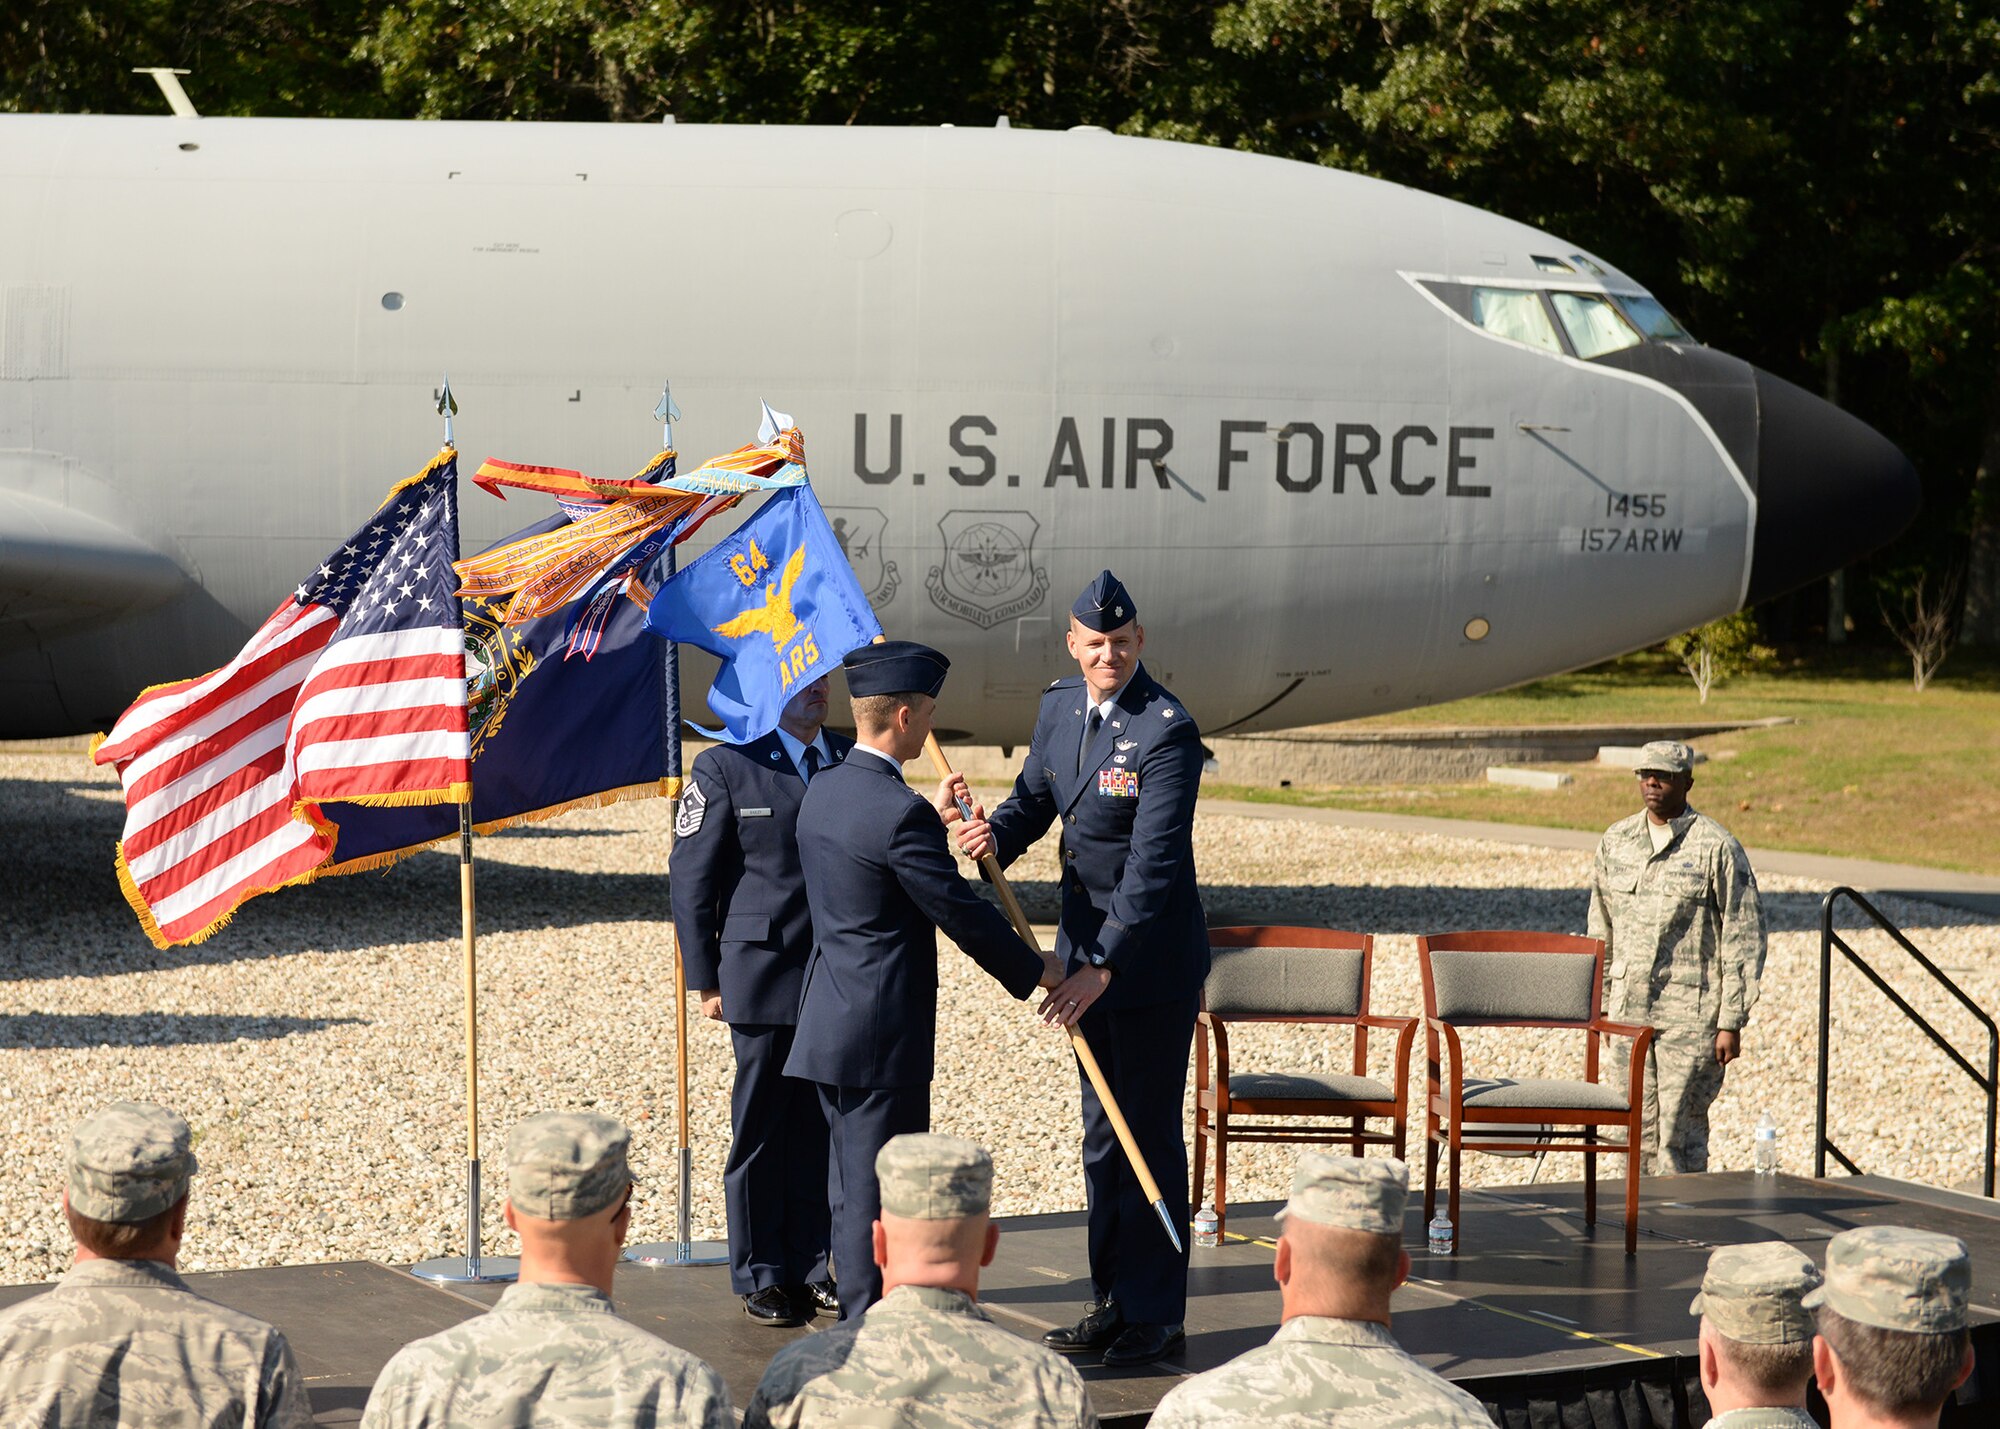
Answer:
(1586, 264)
(1593, 325)
(1552, 265)
(1516, 314)
(1652, 319)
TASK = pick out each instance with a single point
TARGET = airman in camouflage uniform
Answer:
(1333, 1361)
(1894, 1322)
(1754, 1327)
(1675, 902)
(553, 1351)
(924, 1356)
(123, 1341)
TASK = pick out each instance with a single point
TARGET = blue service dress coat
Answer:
(1128, 879)
(1129, 901)
(739, 901)
(883, 883)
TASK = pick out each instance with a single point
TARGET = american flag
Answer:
(353, 690)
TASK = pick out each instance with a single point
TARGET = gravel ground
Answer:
(317, 1046)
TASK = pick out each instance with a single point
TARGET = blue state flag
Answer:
(777, 601)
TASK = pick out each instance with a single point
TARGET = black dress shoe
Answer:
(1143, 1344)
(773, 1306)
(1100, 1325)
(825, 1295)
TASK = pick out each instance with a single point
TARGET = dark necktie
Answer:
(1091, 722)
(812, 761)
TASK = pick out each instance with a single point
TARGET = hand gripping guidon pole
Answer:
(1019, 919)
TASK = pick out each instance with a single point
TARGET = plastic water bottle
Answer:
(1441, 1238)
(1764, 1153)
(1207, 1226)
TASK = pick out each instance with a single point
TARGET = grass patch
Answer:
(1871, 770)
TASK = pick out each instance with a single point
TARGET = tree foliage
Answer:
(1720, 649)
(1809, 185)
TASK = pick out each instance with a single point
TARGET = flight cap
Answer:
(895, 667)
(129, 1162)
(1752, 1293)
(565, 1165)
(1105, 604)
(1353, 1192)
(1668, 756)
(927, 1177)
(1896, 1278)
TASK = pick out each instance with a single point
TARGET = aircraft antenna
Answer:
(170, 86)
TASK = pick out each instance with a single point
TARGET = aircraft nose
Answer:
(1830, 489)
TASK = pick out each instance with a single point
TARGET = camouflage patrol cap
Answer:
(1353, 1192)
(565, 1165)
(926, 1177)
(1896, 1278)
(1665, 755)
(129, 1162)
(1751, 1293)
(1669, 756)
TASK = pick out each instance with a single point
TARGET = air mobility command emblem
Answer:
(988, 573)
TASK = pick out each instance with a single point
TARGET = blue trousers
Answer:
(1144, 1054)
(860, 1121)
(774, 1182)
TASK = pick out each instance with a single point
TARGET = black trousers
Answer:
(860, 1121)
(1144, 1054)
(774, 1182)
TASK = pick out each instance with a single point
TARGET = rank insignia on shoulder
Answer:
(1167, 713)
(687, 823)
(1118, 783)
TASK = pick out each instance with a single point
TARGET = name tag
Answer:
(753, 813)
(1118, 783)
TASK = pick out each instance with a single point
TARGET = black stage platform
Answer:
(1544, 1321)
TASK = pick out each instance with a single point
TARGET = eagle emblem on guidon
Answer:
(797, 650)
(988, 573)
(859, 530)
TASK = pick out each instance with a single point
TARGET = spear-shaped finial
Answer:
(447, 407)
(666, 414)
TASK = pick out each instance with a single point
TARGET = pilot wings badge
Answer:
(988, 573)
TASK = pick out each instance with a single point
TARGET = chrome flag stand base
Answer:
(682, 1251)
(471, 1268)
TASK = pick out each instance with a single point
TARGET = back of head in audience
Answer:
(1756, 1335)
(935, 1228)
(1894, 1328)
(125, 1194)
(569, 1196)
(1341, 1253)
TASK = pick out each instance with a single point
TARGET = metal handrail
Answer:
(1830, 940)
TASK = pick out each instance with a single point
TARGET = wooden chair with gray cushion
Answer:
(1528, 980)
(1304, 975)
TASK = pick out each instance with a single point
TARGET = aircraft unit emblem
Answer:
(988, 573)
(859, 530)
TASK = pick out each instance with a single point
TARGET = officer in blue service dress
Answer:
(745, 932)
(882, 884)
(1117, 760)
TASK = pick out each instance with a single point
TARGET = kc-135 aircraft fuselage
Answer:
(1353, 447)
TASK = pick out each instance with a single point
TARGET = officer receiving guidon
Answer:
(1117, 759)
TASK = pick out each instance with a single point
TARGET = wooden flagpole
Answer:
(472, 1268)
(681, 1250)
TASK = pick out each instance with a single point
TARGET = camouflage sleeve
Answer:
(1743, 944)
(706, 1401)
(389, 1396)
(1599, 924)
(281, 1390)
